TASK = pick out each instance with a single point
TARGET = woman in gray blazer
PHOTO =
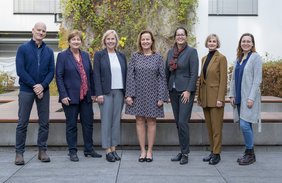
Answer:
(245, 94)
(182, 73)
(109, 82)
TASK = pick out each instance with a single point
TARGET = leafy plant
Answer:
(128, 18)
(271, 78)
(6, 82)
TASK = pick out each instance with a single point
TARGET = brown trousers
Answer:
(214, 122)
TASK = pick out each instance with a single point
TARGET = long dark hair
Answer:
(240, 50)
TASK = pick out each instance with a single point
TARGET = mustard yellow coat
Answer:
(213, 88)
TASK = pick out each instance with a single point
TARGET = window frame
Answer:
(217, 12)
(17, 10)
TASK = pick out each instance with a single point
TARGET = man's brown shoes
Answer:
(19, 160)
(43, 157)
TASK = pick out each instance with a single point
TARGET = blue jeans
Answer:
(247, 131)
(248, 134)
(26, 100)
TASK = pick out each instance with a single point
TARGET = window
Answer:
(233, 7)
(37, 6)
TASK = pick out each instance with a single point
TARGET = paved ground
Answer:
(267, 169)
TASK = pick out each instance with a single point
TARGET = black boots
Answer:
(73, 157)
(177, 157)
(215, 159)
(208, 158)
(184, 159)
(248, 158)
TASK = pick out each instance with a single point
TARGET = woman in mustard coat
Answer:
(211, 96)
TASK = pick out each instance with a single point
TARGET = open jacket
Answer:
(186, 74)
(103, 74)
(213, 88)
(68, 77)
(250, 89)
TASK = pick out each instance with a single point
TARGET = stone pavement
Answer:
(267, 169)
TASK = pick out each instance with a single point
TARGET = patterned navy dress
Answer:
(146, 84)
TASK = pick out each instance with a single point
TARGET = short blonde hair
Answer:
(212, 36)
(139, 47)
(74, 33)
(108, 32)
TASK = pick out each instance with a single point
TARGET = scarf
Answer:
(176, 53)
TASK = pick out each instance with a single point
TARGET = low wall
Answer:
(166, 132)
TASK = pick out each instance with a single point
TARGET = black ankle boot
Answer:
(177, 157)
(242, 157)
(184, 159)
(249, 157)
(215, 159)
(73, 157)
(208, 158)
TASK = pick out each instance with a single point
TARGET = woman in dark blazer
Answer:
(110, 78)
(182, 74)
(75, 85)
(211, 96)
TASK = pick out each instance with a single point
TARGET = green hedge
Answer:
(6, 82)
(271, 78)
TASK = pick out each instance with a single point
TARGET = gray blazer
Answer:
(186, 74)
(250, 89)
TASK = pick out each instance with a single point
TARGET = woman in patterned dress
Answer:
(146, 91)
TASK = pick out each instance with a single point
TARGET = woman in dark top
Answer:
(74, 79)
(245, 94)
(182, 74)
(211, 96)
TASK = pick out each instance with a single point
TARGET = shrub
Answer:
(53, 88)
(271, 78)
(6, 82)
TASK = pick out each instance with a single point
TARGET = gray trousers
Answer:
(182, 114)
(26, 100)
(110, 112)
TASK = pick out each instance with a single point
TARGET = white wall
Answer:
(11, 22)
(266, 28)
